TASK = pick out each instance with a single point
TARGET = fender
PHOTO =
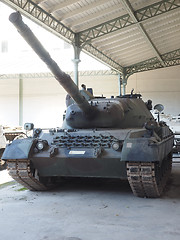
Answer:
(146, 149)
(19, 149)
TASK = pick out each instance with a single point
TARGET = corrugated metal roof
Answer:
(128, 35)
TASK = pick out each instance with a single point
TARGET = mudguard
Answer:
(138, 150)
(146, 149)
(19, 149)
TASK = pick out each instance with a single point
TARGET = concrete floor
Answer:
(89, 211)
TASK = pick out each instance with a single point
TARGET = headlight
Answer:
(115, 146)
(28, 126)
(41, 145)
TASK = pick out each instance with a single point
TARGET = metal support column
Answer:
(124, 83)
(20, 100)
(76, 60)
(120, 84)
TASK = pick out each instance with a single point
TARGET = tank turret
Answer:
(100, 138)
(87, 111)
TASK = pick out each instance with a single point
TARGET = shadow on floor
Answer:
(173, 186)
(172, 190)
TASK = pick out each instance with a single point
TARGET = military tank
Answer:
(7, 135)
(2, 147)
(114, 138)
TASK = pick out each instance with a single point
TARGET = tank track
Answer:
(21, 172)
(148, 179)
(2, 163)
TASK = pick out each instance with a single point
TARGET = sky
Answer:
(21, 58)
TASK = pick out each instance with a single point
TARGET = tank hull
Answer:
(89, 153)
(80, 167)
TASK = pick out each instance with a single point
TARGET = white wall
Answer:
(44, 102)
(44, 98)
(9, 103)
(161, 85)
(106, 85)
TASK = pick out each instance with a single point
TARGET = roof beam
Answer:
(41, 17)
(170, 59)
(156, 9)
(124, 21)
(50, 75)
(130, 11)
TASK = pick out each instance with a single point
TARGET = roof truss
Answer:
(34, 11)
(169, 59)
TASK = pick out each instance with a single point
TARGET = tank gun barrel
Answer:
(63, 78)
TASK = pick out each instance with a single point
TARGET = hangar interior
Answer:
(41, 100)
(130, 37)
(138, 41)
